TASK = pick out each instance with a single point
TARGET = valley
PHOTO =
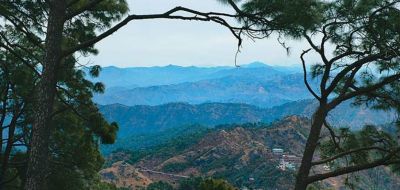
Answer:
(244, 125)
(200, 95)
(248, 156)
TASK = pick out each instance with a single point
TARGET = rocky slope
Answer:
(241, 154)
(125, 175)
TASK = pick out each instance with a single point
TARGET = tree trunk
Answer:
(311, 145)
(38, 162)
(2, 119)
(7, 152)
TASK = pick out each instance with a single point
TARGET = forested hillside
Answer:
(241, 154)
(326, 118)
(136, 119)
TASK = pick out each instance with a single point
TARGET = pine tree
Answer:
(78, 127)
(362, 66)
(55, 32)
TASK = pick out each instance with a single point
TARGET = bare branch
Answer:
(198, 16)
(319, 162)
(305, 75)
(345, 71)
(387, 160)
(364, 90)
(333, 135)
(349, 80)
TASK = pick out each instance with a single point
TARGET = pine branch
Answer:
(198, 16)
(305, 75)
(350, 169)
(364, 90)
(330, 159)
(82, 9)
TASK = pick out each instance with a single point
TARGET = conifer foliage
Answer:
(46, 105)
(50, 126)
(358, 42)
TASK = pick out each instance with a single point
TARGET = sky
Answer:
(186, 43)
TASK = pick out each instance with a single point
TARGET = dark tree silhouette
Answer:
(57, 30)
(359, 47)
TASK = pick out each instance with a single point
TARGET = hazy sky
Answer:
(185, 43)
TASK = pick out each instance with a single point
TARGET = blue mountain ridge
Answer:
(171, 74)
(146, 119)
(255, 83)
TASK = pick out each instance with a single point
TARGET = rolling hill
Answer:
(146, 119)
(241, 154)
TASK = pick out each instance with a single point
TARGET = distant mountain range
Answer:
(137, 119)
(131, 77)
(218, 121)
(255, 84)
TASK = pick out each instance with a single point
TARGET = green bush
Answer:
(215, 184)
(199, 183)
(160, 186)
(175, 167)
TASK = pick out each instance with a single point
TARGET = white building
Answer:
(277, 151)
(284, 165)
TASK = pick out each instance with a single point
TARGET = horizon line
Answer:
(289, 65)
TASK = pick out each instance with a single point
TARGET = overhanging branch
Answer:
(350, 169)
(197, 16)
(305, 75)
(364, 90)
(347, 153)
